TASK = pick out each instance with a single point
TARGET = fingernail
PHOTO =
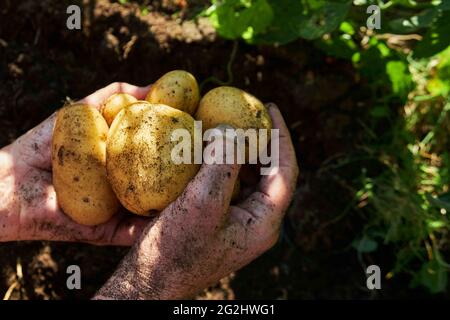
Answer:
(223, 126)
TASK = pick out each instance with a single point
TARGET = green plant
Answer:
(276, 21)
(408, 203)
(406, 64)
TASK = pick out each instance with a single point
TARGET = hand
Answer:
(200, 238)
(28, 203)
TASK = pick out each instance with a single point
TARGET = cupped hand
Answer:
(28, 204)
(200, 238)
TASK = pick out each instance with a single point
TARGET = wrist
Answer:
(144, 274)
(9, 206)
(130, 281)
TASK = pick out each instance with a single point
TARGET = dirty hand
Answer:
(28, 204)
(200, 238)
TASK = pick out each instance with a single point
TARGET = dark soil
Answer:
(43, 63)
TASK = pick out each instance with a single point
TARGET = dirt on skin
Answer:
(42, 64)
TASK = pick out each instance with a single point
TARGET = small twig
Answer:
(17, 281)
(399, 37)
(10, 290)
(128, 46)
(19, 272)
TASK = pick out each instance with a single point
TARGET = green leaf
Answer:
(380, 112)
(360, 2)
(294, 19)
(438, 87)
(444, 5)
(257, 18)
(224, 17)
(283, 28)
(442, 201)
(365, 245)
(234, 19)
(440, 83)
(338, 46)
(276, 21)
(323, 20)
(339, 43)
(413, 23)
(407, 3)
(433, 275)
(436, 39)
(435, 224)
(347, 28)
(400, 77)
(373, 62)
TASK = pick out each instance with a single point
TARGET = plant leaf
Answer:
(400, 77)
(436, 39)
(365, 245)
(294, 19)
(234, 19)
(432, 275)
(413, 23)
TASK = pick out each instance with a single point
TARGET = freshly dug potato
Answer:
(177, 89)
(139, 164)
(235, 107)
(114, 104)
(79, 171)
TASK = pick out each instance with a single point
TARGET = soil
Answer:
(42, 64)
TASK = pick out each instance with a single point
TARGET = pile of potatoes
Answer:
(121, 155)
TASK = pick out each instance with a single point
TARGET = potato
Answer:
(177, 89)
(114, 104)
(79, 171)
(235, 107)
(139, 164)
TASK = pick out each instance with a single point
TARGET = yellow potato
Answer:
(114, 104)
(235, 107)
(79, 171)
(177, 89)
(139, 163)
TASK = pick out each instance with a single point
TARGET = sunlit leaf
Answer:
(400, 77)
(436, 224)
(234, 19)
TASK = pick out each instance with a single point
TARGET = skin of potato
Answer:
(114, 104)
(79, 165)
(235, 107)
(139, 164)
(177, 89)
